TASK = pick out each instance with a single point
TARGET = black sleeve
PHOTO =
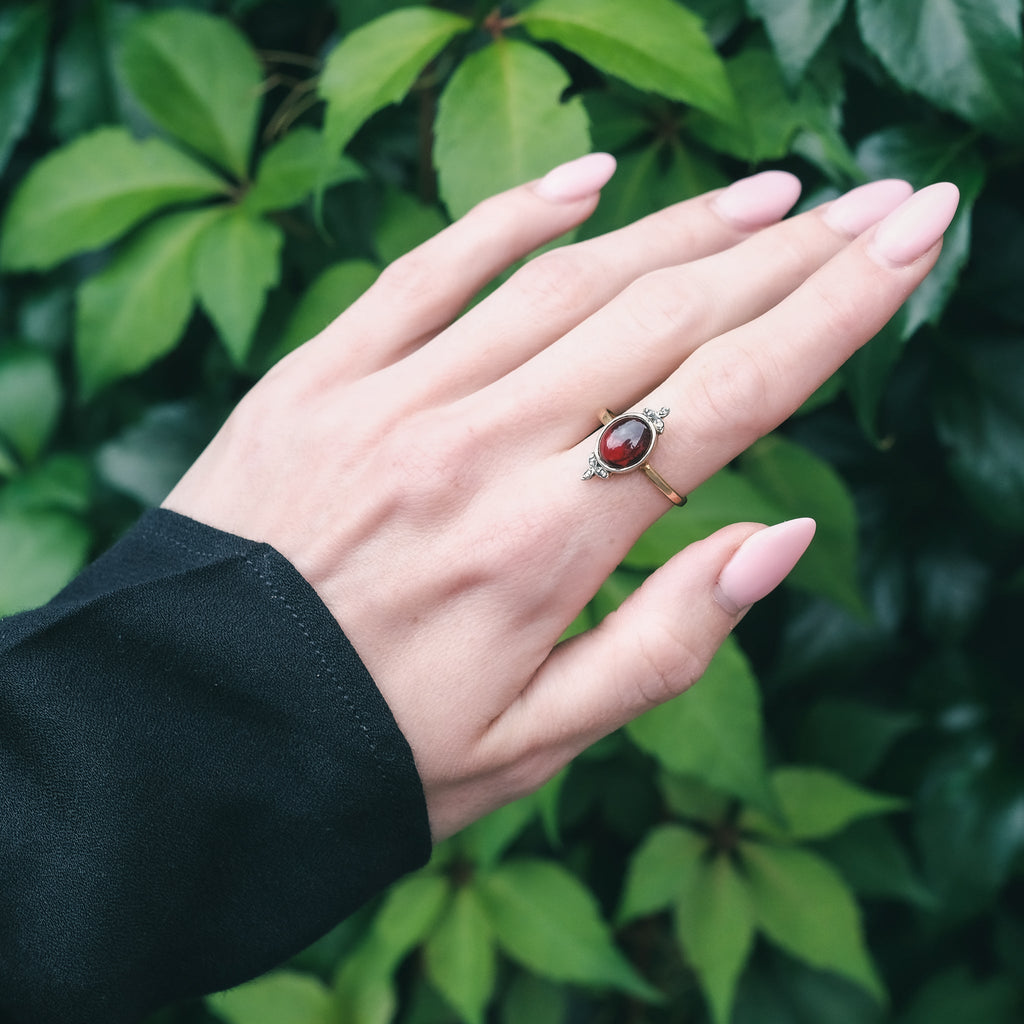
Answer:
(197, 778)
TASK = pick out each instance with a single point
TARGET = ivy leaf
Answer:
(198, 78)
(23, 32)
(714, 922)
(30, 400)
(816, 804)
(459, 956)
(135, 309)
(283, 997)
(659, 47)
(501, 121)
(660, 869)
(801, 484)
(238, 259)
(803, 906)
(714, 731)
(377, 64)
(928, 44)
(72, 201)
(40, 551)
(797, 28)
(546, 919)
(294, 168)
(486, 840)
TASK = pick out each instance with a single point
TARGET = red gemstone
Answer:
(625, 443)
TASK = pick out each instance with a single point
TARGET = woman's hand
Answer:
(424, 472)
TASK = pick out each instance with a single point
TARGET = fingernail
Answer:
(761, 563)
(866, 205)
(577, 179)
(758, 200)
(915, 226)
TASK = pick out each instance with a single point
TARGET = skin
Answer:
(423, 471)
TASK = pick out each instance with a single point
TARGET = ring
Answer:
(625, 443)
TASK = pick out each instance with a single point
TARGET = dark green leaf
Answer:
(73, 200)
(660, 46)
(284, 997)
(866, 373)
(237, 260)
(797, 28)
(30, 400)
(501, 121)
(404, 224)
(533, 1000)
(377, 64)
(955, 997)
(23, 31)
(928, 44)
(198, 78)
(692, 800)
(135, 309)
(659, 870)
(63, 482)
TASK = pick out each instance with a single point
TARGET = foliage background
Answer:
(830, 827)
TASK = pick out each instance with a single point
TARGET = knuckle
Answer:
(736, 392)
(411, 278)
(665, 303)
(668, 667)
(558, 278)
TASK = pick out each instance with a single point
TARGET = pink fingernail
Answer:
(761, 563)
(866, 205)
(758, 200)
(915, 226)
(578, 179)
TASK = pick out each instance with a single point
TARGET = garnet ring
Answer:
(625, 443)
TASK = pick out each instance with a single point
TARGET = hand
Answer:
(423, 472)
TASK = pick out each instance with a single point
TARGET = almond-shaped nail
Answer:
(761, 563)
(866, 205)
(759, 200)
(578, 179)
(915, 226)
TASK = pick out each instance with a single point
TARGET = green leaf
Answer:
(30, 400)
(714, 922)
(659, 47)
(501, 121)
(713, 731)
(377, 64)
(335, 289)
(928, 44)
(797, 28)
(486, 840)
(135, 309)
(237, 261)
(40, 552)
(283, 997)
(198, 78)
(533, 1000)
(693, 801)
(364, 990)
(817, 803)
(23, 32)
(404, 223)
(73, 200)
(955, 996)
(409, 912)
(660, 869)
(63, 482)
(803, 906)
(546, 919)
(294, 168)
(801, 484)
(865, 375)
(459, 956)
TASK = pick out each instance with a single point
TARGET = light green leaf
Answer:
(334, 290)
(283, 997)
(237, 261)
(660, 869)
(40, 552)
(803, 906)
(30, 400)
(658, 46)
(294, 168)
(135, 309)
(797, 28)
(364, 990)
(198, 78)
(801, 484)
(713, 731)
(459, 956)
(409, 912)
(377, 64)
(546, 919)
(817, 803)
(714, 922)
(501, 121)
(693, 801)
(23, 32)
(8, 465)
(928, 44)
(91, 191)
(486, 840)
